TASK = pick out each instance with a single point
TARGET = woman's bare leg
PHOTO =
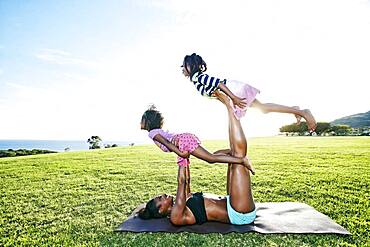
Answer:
(224, 99)
(240, 183)
(238, 176)
(271, 107)
(228, 175)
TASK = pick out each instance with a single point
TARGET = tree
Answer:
(322, 127)
(94, 142)
(300, 128)
(341, 130)
(111, 145)
(7, 153)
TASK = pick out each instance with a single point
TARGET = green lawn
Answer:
(79, 198)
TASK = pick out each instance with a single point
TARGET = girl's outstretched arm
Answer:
(170, 146)
(236, 100)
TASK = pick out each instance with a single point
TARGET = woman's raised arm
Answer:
(178, 216)
(187, 173)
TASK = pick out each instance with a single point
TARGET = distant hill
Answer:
(355, 121)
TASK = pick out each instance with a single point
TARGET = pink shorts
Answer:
(187, 142)
(242, 90)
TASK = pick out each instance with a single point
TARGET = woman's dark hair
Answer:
(152, 118)
(195, 63)
(150, 211)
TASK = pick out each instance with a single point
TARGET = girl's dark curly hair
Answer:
(152, 118)
(150, 211)
(195, 63)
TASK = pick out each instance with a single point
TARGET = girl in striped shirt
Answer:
(241, 94)
(184, 144)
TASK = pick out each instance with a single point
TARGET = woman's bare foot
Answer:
(248, 164)
(298, 117)
(311, 122)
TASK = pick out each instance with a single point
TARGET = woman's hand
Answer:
(239, 102)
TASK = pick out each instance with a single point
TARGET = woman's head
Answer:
(151, 119)
(157, 207)
(193, 63)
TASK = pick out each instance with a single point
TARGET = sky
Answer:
(73, 69)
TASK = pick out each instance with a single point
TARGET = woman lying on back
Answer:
(186, 209)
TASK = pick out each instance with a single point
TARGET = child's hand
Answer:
(175, 141)
(239, 102)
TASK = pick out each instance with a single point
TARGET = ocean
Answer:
(52, 145)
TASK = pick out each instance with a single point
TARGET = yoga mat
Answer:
(272, 217)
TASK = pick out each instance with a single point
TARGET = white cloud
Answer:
(63, 58)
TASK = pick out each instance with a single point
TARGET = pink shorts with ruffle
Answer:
(242, 90)
(186, 142)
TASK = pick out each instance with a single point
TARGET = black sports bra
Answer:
(196, 206)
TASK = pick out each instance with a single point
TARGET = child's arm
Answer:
(170, 146)
(236, 100)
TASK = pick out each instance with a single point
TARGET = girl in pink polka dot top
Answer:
(184, 144)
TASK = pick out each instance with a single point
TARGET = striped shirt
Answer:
(206, 84)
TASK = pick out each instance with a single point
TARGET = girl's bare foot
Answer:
(248, 164)
(298, 117)
(311, 122)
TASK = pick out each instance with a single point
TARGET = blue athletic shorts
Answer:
(237, 218)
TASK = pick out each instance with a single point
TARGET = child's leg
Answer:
(223, 151)
(203, 154)
(271, 107)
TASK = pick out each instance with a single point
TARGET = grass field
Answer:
(79, 198)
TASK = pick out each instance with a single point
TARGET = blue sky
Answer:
(88, 31)
(72, 69)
